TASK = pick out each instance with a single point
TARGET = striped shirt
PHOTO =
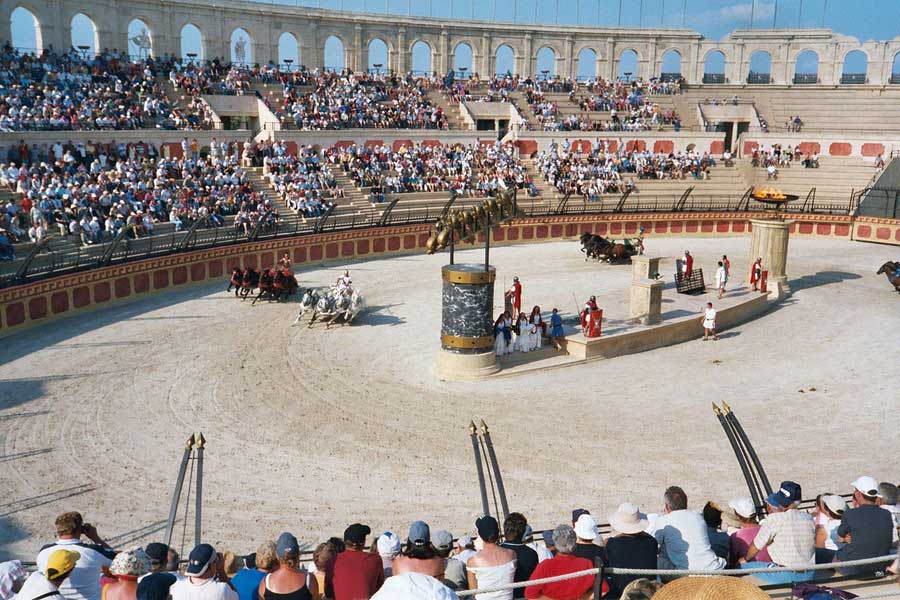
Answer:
(790, 538)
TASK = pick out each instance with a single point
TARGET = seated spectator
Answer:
(630, 546)
(414, 586)
(465, 548)
(743, 516)
(205, 577)
(589, 537)
(355, 573)
(890, 497)
(683, 536)
(771, 172)
(640, 589)
(48, 580)
(288, 581)
(84, 582)
(7, 252)
(388, 546)
(718, 539)
(526, 559)
(829, 509)
(246, 581)
(12, 577)
(866, 529)
(564, 563)
(493, 565)
(455, 576)
(323, 556)
(707, 588)
(156, 586)
(127, 567)
(789, 535)
(419, 556)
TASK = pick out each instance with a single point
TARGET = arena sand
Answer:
(309, 430)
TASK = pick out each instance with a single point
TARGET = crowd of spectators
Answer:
(426, 564)
(603, 171)
(71, 91)
(304, 181)
(94, 190)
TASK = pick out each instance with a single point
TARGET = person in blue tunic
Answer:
(556, 329)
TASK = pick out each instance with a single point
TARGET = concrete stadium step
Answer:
(261, 183)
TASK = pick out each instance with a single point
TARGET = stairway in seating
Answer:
(451, 109)
(260, 183)
(834, 180)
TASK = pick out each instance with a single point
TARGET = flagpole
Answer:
(775, 17)
(752, 12)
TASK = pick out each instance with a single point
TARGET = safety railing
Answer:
(72, 258)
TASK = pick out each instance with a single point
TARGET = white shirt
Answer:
(710, 316)
(209, 589)
(412, 586)
(720, 276)
(84, 582)
(35, 586)
(684, 542)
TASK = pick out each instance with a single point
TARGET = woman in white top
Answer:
(829, 510)
(492, 565)
(709, 322)
(523, 337)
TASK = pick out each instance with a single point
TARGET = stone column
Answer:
(527, 67)
(644, 267)
(402, 66)
(646, 301)
(769, 241)
(467, 325)
(360, 54)
(443, 59)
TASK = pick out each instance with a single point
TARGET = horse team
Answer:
(270, 284)
(600, 248)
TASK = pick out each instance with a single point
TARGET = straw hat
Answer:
(710, 588)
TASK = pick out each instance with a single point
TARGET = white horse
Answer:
(308, 302)
(357, 305)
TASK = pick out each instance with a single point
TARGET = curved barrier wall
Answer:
(35, 303)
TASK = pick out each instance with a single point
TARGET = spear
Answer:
(486, 434)
(179, 483)
(745, 441)
(473, 432)
(739, 455)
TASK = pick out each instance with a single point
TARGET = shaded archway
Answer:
(806, 68)
(241, 47)
(714, 67)
(856, 63)
(628, 65)
(421, 58)
(587, 64)
(505, 61)
(84, 34)
(192, 46)
(26, 31)
(335, 59)
(760, 67)
(378, 56)
(546, 62)
(895, 69)
(140, 40)
(288, 52)
(670, 69)
(462, 60)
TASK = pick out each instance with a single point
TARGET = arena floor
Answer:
(309, 430)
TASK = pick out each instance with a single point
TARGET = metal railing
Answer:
(854, 79)
(715, 78)
(50, 261)
(759, 78)
(806, 78)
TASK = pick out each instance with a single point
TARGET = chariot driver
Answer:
(344, 283)
(285, 262)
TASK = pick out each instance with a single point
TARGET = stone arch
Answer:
(241, 46)
(670, 65)
(288, 51)
(714, 66)
(806, 66)
(462, 60)
(895, 69)
(378, 52)
(587, 63)
(628, 62)
(504, 60)
(421, 57)
(335, 53)
(545, 60)
(84, 35)
(192, 41)
(854, 68)
(25, 29)
(760, 67)
(140, 39)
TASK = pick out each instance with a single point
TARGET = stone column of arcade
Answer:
(467, 326)
(769, 241)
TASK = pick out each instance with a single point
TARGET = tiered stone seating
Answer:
(834, 180)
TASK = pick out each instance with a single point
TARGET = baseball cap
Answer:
(835, 503)
(487, 527)
(419, 534)
(586, 527)
(158, 552)
(388, 544)
(743, 507)
(443, 540)
(787, 494)
(548, 537)
(61, 562)
(580, 511)
(356, 534)
(199, 559)
(465, 541)
(286, 544)
(867, 486)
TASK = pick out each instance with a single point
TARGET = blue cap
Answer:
(286, 544)
(199, 559)
(548, 537)
(419, 534)
(788, 493)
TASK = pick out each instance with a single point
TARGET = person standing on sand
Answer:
(709, 322)
(721, 279)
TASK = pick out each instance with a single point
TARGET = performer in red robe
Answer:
(756, 273)
(688, 264)
(590, 318)
(514, 294)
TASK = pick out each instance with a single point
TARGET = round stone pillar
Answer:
(467, 324)
(769, 241)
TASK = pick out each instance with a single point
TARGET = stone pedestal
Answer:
(644, 267)
(646, 301)
(467, 324)
(769, 241)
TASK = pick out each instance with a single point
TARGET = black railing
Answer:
(757, 78)
(717, 78)
(895, 78)
(670, 77)
(853, 79)
(806, 78)
(52, 262)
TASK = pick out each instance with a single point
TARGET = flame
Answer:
(769, 194)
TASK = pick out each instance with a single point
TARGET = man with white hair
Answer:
(564, 563)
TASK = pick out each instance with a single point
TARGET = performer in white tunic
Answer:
(709, 322)
(523, 339)
(534, 336)
(537, 320)
(502, 335)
